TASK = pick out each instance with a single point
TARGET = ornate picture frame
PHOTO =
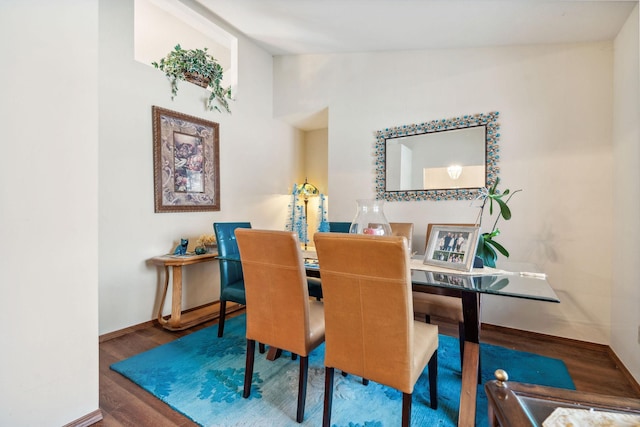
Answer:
(186, 165)
(452, 247)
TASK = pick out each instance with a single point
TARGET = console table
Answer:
(179, 321)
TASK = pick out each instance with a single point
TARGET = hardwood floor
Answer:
(592, 367)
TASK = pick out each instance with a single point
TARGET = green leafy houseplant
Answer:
(487, 246)
(198, 67)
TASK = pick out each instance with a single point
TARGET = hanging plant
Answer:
(198, 67)
(488, 248)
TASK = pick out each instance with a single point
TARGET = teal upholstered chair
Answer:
(339, 227)
(231, 278)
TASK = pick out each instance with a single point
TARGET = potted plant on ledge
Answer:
(198, 67)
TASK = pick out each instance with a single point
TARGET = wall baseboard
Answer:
(624, 369)
(561, 340)
(121, 332)
(89, 419)
(231, 307)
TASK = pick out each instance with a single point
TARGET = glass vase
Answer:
(370, 219)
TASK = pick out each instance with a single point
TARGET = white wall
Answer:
(49, 212)
(555, 104)
(153, 41)
(625, 318)
(315, 158)
(315, 170)
(259, 159)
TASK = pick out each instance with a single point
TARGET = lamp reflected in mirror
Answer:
(454, 171)
(455, 176)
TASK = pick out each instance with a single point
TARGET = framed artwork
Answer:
(186, 165)
(452, 246)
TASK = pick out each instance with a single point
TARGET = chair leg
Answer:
(365, 381)
(223, 312)
(328, 396)
(433, 380)
(302, 387)
(406, 409)
(427, 318)
(294, 356)
(248, 369)
(261, 348)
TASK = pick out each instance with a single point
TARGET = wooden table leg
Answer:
(176, 297)
(471, 362)
(161, 319)
(471, 314)
(467, 413)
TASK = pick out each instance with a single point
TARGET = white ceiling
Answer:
(293, 27)
(290, 27)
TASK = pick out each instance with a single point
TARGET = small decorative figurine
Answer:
(181, 249)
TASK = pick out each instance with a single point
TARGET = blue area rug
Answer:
(201, 376)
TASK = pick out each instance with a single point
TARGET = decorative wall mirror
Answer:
(448, 159)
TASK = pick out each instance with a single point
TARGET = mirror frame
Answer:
(490, 120)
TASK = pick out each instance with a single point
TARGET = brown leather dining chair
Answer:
(442, 306)
(369, 327)
(279, 311)
(403, 229)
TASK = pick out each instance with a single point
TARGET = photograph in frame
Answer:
(185, 162)
(452, 247)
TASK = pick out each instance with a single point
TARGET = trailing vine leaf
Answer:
(187, 64)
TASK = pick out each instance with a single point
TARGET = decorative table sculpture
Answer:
(181, 249)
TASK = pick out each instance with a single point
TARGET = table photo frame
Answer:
(186, 165)
(452, 246)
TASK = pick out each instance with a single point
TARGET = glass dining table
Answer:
(516, 280)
